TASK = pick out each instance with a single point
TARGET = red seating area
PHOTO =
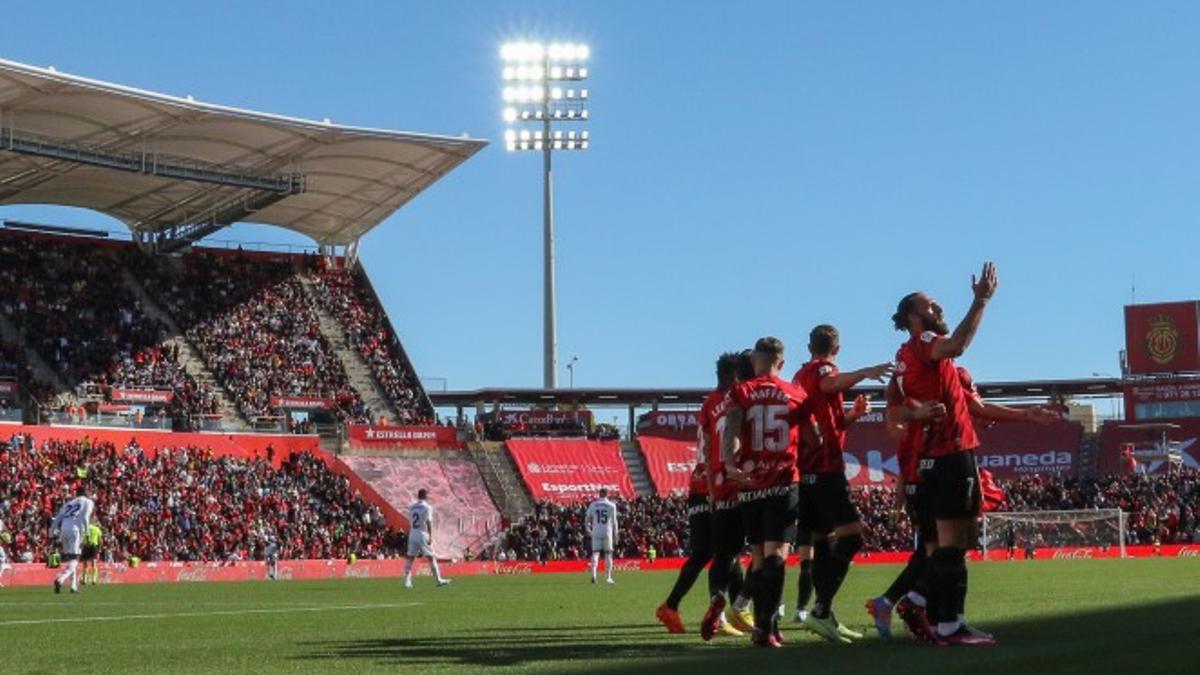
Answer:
(464, 515)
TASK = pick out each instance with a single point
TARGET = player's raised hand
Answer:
(1040, 414)
(985, 285)
(879, 372)
(862, 406)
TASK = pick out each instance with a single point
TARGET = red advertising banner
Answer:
(669, 462)
(367, 436)
(1009, 450)
(539, 419)
(1147, 446)
(33, 574)
(678, 424)
(571, 470)
(301, 402)
(141, 395)
(8, 386)
(1163, 337)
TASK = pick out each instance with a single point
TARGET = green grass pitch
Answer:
(1128, 616)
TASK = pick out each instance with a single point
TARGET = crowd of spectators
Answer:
(257, 329)
(70, 303)
(1161, 509)
(185, 504)
(345, 296)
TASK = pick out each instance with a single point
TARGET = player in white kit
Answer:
(602, 525)
(271, 554)
(420, 539)
(69, 526)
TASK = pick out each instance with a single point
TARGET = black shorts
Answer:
(770, 514)
(728, 532)
(87, 553)
(920, 515)
(700, 533)
(825, 502)
(952, 489)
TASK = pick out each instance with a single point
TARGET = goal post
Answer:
(1019, 529)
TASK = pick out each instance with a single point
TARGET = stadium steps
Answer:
(232, 419)
(42, 371)
(357, 369)
(500, 476)
(637, 469)
(1089, 456)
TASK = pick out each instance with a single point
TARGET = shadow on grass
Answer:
(1138, 639)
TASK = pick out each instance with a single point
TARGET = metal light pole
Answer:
(571, 369)
(531, 74)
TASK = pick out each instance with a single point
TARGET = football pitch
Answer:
(1049, 616)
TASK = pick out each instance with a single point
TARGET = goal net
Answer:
(1102, 528)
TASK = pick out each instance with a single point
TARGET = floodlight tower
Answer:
(542, 86)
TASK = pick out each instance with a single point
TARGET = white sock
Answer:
(948, 627)
(408, 565)
(595, 563)
(917, 598)
(72, 571)
(437, 571)
(608, 564)
(962, 618)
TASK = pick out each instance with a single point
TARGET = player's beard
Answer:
(935, 324)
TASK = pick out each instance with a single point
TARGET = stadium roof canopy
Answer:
(175, 169)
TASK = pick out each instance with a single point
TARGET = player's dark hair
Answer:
(823, 340)
(771, 347)
(727, 369)
(422, 493)
(900, 318)
(745, 366)
(603, 492)
(80, 490)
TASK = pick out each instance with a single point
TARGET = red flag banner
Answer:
(571, 470)
(670, 463)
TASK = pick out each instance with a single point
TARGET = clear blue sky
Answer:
(756, 167)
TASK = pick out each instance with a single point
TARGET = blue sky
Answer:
(756, 167)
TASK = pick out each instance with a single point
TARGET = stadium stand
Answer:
(465, 517)
(1162, 509)
(189, 503)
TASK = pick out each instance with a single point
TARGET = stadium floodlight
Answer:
(531, 72)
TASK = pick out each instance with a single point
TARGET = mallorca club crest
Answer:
(1162, 340)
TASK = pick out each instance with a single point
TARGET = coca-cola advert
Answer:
(141, 395)
(369, 436)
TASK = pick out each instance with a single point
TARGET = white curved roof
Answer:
(353, 177)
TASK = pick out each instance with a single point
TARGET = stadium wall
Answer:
(29, 574)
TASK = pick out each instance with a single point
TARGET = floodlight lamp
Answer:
(582, 73)
(583, 114)
(537, 145)
(570, 145)
(558, 145)
(524, 114)
(510, 114)
(524, 145)
(570, 114)
(583, 145)
(570, 72)
(511, 146)
(535, 51)
(557, 114)
(582, 52)
(555, 72)
(509, 51)
(510, 135)
(509, 72)
(537, 114)
(557, 135)
(536, 72)
(510, 94)
(556, 93)
(583, 135)
(583, 93)
(524, 134)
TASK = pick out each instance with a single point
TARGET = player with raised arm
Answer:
(601, 523)
(825, 504)
(759, 448)
(69, 527)
(926, 373)
(420, 539)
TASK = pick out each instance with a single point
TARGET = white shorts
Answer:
(418, 545)
(602, 543)
(71, 542)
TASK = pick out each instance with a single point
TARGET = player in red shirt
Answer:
(760, 448)
(925, 373)
(825, 503)
(729, 539)
(700, 549)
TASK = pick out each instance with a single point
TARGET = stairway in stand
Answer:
(638, 473)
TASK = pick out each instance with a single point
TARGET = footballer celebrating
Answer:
(825, 504)
(926, 373)
(760, 447)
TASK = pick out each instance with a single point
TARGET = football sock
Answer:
(948, 581)
(961, 606)
(805, 585)
(736, 581)
(595, 564)
(687, 576)
(408, 565)
(907, 579)
(437, 572)
(608, 557)
(771, 580)
(822, 560)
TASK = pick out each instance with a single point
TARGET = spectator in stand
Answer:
(187, 504)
